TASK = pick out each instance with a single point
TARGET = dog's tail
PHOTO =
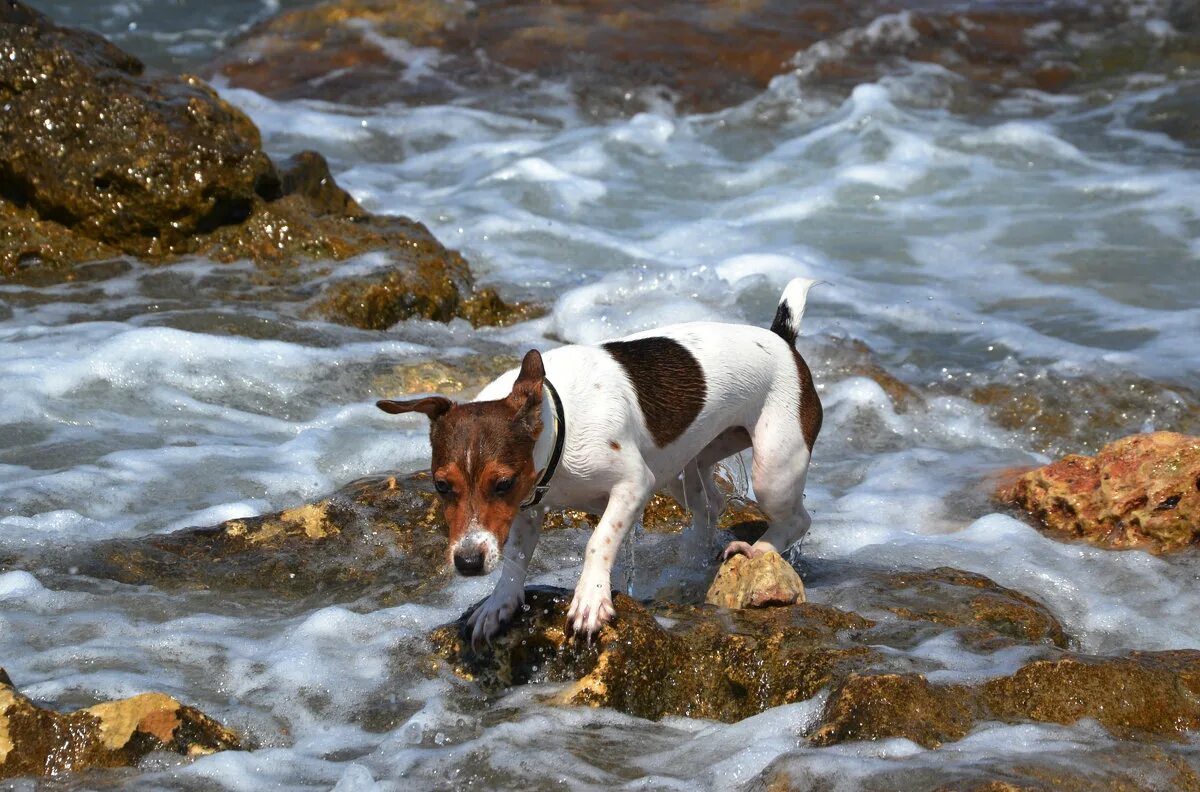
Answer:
(791, 309)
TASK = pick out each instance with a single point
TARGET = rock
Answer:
(1055, 413)
(1139, 492)
(381, 536)
(698, 667)
(446, 376)
(760, 582)
(37, 741)
(953, 598)
(878, 706)
(100, 158)
(622, 57)
(137, 161)
(657, 659)
(1114, 767)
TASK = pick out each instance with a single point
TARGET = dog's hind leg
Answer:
(779, 471)
(726, 444)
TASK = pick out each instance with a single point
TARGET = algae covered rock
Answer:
(623, 57)
(39, 741)
(100, 157)
(381, 535)
(88, 139)
(761, 582)
(1140, 492)
(697, 667)
(658, 659)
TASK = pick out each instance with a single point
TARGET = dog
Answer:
(601, 428)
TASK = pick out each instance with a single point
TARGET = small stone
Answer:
(761, 582)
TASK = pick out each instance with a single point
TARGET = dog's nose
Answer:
(469, 561)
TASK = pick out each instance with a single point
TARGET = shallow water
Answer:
(1046, 239)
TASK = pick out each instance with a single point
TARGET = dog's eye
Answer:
(441, 485)
(503, 486)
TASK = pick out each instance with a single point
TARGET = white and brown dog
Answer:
(601, 428)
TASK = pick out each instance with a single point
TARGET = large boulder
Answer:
(43, 742)
(100, 157)
(1139, 492)
(654, 660)
(138, 161)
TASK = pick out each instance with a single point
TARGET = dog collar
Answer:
(560, 435)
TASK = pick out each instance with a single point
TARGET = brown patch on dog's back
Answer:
(811, 413)
(614, 445)
(668, 380)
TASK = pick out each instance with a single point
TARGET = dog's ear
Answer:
(433, 407)
(526, 396)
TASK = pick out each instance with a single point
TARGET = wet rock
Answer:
(954, 598)
(878, 706)
(381, 536)
(91, 141)
(656, 659)
(841, 358)
(1056, 413)
(36, 741)
(624, 57)
(761, 582)
(1139, 492)
(1121, 767)
(725, 665)
(446, 376)
(1146, 693)
(100, 157)
(663, 514)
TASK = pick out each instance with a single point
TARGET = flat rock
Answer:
(760, 582)
(381, 535)
(1140, 492)
(37, 741)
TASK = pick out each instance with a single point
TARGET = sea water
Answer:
(1047, 239)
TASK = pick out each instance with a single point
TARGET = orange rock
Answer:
(1139, 492)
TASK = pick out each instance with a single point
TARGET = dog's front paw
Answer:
(492, 616)
(591, 607)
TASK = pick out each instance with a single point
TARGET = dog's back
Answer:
(666, 394)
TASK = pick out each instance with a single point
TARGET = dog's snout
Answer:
(469, 561)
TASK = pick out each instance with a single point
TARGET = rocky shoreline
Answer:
(103, 160)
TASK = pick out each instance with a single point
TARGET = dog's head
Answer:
(483, 464)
